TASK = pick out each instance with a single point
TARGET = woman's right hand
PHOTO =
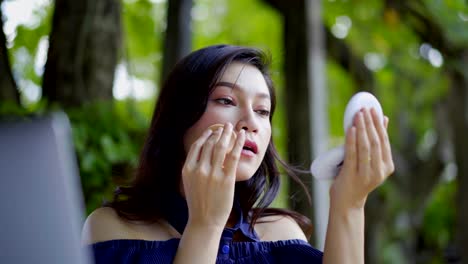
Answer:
(209, 176)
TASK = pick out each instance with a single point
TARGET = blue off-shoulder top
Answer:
(249, 250)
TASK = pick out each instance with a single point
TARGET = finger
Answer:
(207, 150)
(232, 158)
(374, 139)
(383, 136)
(194, 152)
(363, 154)
(350, 150)
(221, 147)
(386, 122)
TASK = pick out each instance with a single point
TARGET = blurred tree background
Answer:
(103, 62)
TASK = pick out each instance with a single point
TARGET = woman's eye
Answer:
(263, 112)
(225, 101)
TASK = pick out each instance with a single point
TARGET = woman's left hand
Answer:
(368, 161)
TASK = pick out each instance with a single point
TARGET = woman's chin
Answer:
(244, 174)
(239, 179)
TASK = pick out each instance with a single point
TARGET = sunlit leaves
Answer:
(23, 50)
(143, 25)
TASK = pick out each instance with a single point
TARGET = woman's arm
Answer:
(199, 244)
(345, 235)
(368, 162)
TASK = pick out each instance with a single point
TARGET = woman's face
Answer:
(241, 97)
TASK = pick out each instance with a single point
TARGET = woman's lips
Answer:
(247, 153)
(250, 148)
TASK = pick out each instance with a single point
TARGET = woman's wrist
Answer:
(203, 228)
(345, 211)
(345, 201)
(190, 249)
(341, 205)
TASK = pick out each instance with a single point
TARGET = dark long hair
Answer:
(181, 103)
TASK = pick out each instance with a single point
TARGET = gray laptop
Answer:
(41, 202)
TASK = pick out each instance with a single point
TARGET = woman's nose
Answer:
(247, 122)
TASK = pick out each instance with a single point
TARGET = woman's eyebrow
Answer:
(235, 86)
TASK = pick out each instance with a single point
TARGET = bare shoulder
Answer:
(104, 224)
(279, 227)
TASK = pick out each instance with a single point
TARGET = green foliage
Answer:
(11, 108)
(439, 218)
(25, 46)
(452, 16)
(409, 88)
(143, 27)
(107, 140)
(340, 89)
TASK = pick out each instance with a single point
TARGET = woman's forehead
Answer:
(244, 76)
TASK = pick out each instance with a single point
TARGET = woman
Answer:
(196, 200)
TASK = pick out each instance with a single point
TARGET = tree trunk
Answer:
(84, 48)
(459, 113)
(307, 132)
(8, 89)
(318, 109)
(178, 40)
(296, 93)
